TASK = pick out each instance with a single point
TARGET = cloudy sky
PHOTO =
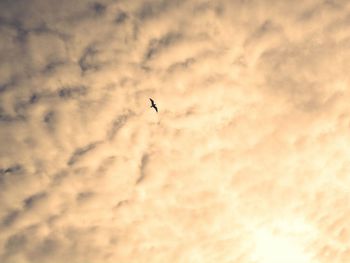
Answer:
(247, 161)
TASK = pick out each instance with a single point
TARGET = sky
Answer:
(246, 161)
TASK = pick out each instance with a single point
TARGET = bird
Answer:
(153, 105)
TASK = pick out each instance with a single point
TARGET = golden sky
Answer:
(247, 161)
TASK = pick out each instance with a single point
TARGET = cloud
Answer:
(249, 150)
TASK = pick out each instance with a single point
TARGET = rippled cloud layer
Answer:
(246, 161)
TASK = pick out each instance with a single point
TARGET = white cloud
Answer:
(249, 149)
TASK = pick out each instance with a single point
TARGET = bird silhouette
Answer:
(153, 105)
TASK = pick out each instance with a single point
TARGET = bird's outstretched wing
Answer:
(153, 105)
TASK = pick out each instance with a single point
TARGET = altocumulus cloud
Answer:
(247, 160)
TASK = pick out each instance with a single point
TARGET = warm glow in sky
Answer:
(247, 160)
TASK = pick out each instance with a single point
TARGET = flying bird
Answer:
(153, 105)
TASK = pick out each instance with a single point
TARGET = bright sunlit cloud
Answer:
(246, 161)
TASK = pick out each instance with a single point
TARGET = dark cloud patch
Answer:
(5, 22)
(148, 10)
(121, 203)
(144, 162)
(13, 172)
(49, 117)
(151, 10)
(72, 92)
(113, 240)
(264, 29)
(156, 45)
(181, 65)
(46, 249)
(52, 66)
(121, 17)
(34, 98)
(15, 244)
(23, 32)
(9, 118)
(117, 124)
(99, 9)
(59, 177)
(10, 218)
(6, 85)
(20, 107)
(81, 151)
(86, 60)
(44, 29)
(105, 165)
(84, 196)
(315, 10)
(33, 200)
(12, 169)
(3, 87)
(22, 35)
(17, 25)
